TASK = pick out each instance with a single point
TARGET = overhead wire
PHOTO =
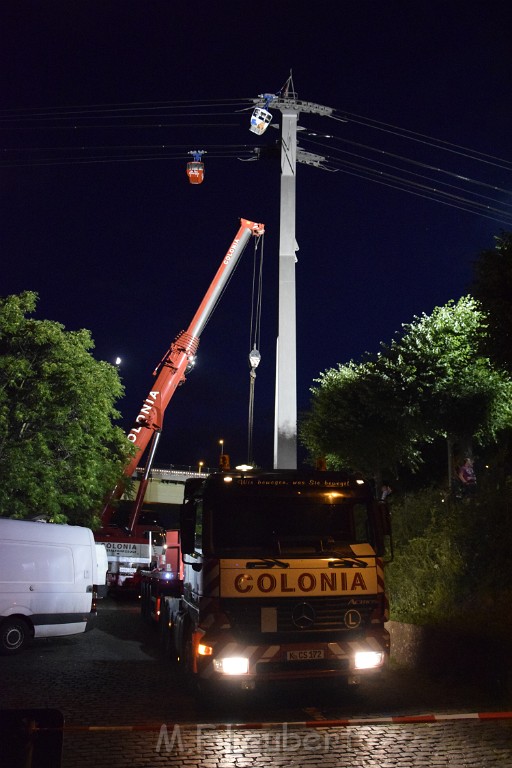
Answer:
(408, 160)
(430, 178)
(421, 138)
(433, 197)
(103, 159)
(395, 171)
(135, 108)
(466, 201)
(118, 107)
(127, 126)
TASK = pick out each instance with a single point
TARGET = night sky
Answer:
(103, 99)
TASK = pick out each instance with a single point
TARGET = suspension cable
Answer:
(256, 298)
(254, 340)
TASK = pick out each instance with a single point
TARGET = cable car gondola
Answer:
(260, 120)
(261, 117)
(195, 168)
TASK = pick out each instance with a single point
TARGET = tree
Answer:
(461, 395)
(492, 287)
(438, 358)
(59, 450)
(360, 421)
(431, 381)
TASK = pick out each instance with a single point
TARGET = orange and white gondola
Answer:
(195, 168)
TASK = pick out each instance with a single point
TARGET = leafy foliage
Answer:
(451, 559)
(427, 569)
(358, 420)
(438, 361)
(432, 381)
(59, 451)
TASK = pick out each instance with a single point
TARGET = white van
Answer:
(49, 577)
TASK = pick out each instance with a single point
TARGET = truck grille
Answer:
(323, 614)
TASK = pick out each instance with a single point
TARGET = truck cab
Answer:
(283, 577)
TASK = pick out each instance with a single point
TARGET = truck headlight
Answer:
(368, 659)
(232, 665)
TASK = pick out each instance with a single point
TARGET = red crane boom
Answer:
(171, 371)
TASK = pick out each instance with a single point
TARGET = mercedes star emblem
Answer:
(303, 616)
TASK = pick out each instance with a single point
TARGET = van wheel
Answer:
(14, 634)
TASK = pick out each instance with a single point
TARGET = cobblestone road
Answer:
(115, 678)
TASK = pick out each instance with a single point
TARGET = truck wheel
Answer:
(185, 677)
(192, 683)
(184, 655)
(14, 634)
(170, 638)
(162, 624)
(144, 602)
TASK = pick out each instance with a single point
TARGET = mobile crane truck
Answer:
(139, 545)
(280, 576)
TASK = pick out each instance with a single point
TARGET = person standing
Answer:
(467, 477)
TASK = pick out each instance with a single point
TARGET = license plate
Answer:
(305, 655)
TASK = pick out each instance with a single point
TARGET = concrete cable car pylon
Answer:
(285, 420)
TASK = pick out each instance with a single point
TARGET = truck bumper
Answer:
(247, 664)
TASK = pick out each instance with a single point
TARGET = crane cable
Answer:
(256, 299)
(254, 339)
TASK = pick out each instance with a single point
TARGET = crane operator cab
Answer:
(195, 168)
(261, 117)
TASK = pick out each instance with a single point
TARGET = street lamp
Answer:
(221, 443)
(200, 469)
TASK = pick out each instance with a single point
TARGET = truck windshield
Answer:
(277, 520)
